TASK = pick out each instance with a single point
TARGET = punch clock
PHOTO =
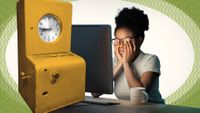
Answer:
(48, 69)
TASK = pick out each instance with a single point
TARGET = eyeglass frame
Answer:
(123, 39)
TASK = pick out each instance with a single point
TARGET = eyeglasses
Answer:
(122, 41)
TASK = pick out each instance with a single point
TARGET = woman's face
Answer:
(124, 34)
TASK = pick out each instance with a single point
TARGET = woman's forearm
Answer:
(132, 79)
(117, 68)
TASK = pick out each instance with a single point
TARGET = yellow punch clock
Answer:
(50, 76)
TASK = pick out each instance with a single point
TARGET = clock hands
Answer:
(45, 29)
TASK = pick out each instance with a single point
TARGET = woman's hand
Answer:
(129, 52)
(116, 52)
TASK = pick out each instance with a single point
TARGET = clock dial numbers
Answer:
(49, 28)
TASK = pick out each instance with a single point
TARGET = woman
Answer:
(133, 67)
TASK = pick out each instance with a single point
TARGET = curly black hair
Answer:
(134, 19)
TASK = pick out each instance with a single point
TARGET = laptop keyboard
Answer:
(100, 101)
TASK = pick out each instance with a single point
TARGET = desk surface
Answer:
(125, 107)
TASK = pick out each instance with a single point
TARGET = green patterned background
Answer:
(185, 12)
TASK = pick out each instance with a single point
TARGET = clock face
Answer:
(49, 28)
